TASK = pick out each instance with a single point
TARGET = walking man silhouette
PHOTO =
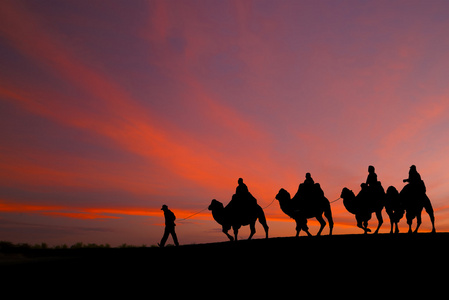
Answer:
(169, 226)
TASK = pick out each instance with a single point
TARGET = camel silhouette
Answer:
(370, 199)
(307, 203)
(228, 218)
(394, 208)
(414, 199)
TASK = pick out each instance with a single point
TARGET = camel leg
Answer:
(225, 231)
(429, 210)
(331, 226)
(379, 220)
(263, 221)
(359, 224)
(302, 224)
(365, 227)
(392, 221)
(432, 219)
(418, 222)
(328, 215)
(236, 232)
(391, 216)
(266, 228)
(305, 228)
(410, 218)
(252, 226)
(362, 224)
(307, 231)
(322, 223)
(298, 229)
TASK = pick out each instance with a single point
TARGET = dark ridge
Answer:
(319, 247)
(337, 264)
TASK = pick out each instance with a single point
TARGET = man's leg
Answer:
(175, 238)
(164, 237)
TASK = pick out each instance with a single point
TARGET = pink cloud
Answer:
(121, 120)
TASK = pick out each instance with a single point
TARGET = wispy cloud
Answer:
(112, 112)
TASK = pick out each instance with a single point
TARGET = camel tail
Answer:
(262, 220)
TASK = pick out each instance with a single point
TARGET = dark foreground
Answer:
(342, 261)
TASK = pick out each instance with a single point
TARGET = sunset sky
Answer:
(110, 109)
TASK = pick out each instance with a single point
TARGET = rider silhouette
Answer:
(413, 176)
(242, 200)
(371, 180)
(414, 179)
(309, 190)
(416, 191)
(309, 179)
(241, 189)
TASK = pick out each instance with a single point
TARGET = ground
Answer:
(339, 264)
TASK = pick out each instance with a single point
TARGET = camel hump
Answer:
(416, 187)
(309, 192)
(283, 195)
(241, 206)
(411, 190)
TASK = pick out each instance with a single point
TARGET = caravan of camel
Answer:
(310, 202)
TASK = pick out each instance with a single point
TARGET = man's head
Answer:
(164, 207)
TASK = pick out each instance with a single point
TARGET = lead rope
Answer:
(183, 219)
(335, 200)
(270, 203)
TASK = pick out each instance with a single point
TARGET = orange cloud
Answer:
(11, 206)
(79, 215)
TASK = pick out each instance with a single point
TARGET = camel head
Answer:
(215, 204)
(345, 193)
(283, 195)
(392, 191)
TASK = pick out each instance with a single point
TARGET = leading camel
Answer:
(414, 198)
(307, 203)
(234, 218)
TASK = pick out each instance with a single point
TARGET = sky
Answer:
(110, 109)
